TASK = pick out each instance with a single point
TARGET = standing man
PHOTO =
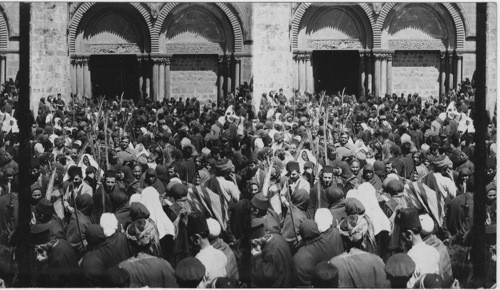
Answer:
(126, 153)
(326, 182)
(76, 188)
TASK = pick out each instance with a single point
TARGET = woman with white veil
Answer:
(366, 194)
(150, 198)
(304, 156)
(86, 161)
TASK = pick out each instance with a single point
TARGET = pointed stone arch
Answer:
(83, 8)
(230, 12)
(301, 11)
(454, 15)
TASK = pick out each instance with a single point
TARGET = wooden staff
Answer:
(50, 186)
(106, 139)
(121, 99)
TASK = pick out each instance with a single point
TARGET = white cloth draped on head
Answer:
(57, 123)
(367, 196)
(7, 126)
(91, 161)
(311, 158)
(150, 198)
(141, 150)
(136, 197)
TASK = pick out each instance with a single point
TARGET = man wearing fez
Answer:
(76, 188)
(426, 257)
(326, 181)
(55, 263)
(215, 261)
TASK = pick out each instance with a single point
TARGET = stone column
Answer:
(389, 73)
(442, 75)
(229, 74)
(73, 75)
(147, 75)
(383, 75)
(79, 76)
(141, 76)
(295, 71)
(161, 79)
(450, 71)
(309, 73)
(3, 69)
(302, 74)
(237, 73)
(459, 68)
(220, 81)
(376, 76)
(362, 74)
(369, 73)
(155, 88)
(87, 87)
(168, 77)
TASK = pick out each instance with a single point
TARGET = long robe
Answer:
(149, 271)
(104, 254)
(359, 269)
(313, 199)
(274, 267)
(61, 268)
(321, 248)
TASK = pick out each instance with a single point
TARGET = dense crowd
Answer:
(312, 190)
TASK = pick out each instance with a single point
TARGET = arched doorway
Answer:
(111, 46)
(197, 45)
(329, 46)
(422, 39)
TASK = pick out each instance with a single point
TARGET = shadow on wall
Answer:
(416, 72)
(194, 76)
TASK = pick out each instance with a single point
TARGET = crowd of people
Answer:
(310, 191)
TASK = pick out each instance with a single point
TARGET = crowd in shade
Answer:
(308, 191)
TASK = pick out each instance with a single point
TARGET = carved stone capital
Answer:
(156, 59)
(222, 58)
(381, 55)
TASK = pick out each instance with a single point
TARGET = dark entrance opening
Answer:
(112, 75)
(335, 70)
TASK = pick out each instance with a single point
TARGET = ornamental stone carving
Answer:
(328, 44)
(417, 44)
(383, 56)
(377, 7)
(104, 48)
(73, 6)
(155, 9)
(194, 48)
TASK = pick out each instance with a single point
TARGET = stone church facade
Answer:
(207, 50)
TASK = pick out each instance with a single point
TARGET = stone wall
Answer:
(272, 58)
(469, 65)
(49, 62)
(246, 70)
(416, 72)
(12, 65)
(491, 57)
(194, 76)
